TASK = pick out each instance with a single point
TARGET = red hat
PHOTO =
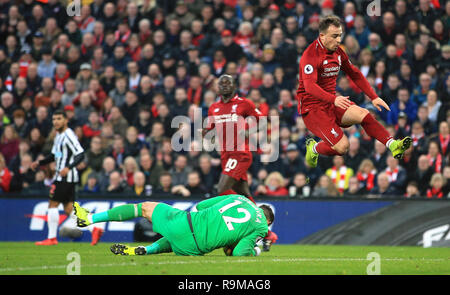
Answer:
(274, 7)
(226, 33)
(314, 18)
(328, 4)
(69, 108)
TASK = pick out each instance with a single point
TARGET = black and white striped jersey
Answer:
(65, 147)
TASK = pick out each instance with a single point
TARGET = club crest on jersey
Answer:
(339, 59)
(216, 110)
(233, 108)
(308, 69)
(325, 62)
(334, 133)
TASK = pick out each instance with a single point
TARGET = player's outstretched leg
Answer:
(120, 249)
(399, 146)
(119, 213)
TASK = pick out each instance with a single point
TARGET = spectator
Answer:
(355, 156)
(209, 175)
(412, 190)
(383, 187)
(164, 188)
(138, 187)
(354, 188)
(195, 185)
(379, 156)
(92, 185)
(109, 165)
(95, 155)
(115, 185)
(293, 161)
(433, 105)
(274, 185)
(443, 138)
(367, 175)
(396, 174)
(5, 176)
(402, 104)
(9, 143)
(325, 188)
(422, 175)
(299, 186)
(180, 171)
(340, 174)
(93, 126)
(23, 176)
(436, 160)
(437, 183)
(152, 170)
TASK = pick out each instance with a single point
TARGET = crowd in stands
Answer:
(122, 69)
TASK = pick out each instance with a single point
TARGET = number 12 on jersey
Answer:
(230, 220)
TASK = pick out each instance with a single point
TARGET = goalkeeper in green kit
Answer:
(232, 221)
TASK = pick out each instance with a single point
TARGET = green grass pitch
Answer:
(24, 258)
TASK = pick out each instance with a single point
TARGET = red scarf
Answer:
(59, 81)
(340, 183)
(194, 95)
(85, 23)
(392, 174)
(196, 39)
(218, 65)
(416, 138)
(368, 178)
(434, 192)
(122, 38)
(99, 39)
(23, 66)
(281, 107)
(154, 111)
(437, 161)
(444, 143)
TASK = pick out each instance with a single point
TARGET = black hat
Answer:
(291, 147)
(168, 55)
(46, 50)
(38, 34)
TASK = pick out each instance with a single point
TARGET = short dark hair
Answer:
(60, 112)
(326, 22)
(268, 212)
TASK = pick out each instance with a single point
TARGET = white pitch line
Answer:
(145, 263)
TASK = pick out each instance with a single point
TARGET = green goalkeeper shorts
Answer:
(173, 224)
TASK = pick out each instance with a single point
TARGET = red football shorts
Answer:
(325, 122)
(236, 164)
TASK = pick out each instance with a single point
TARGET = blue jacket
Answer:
(410, 110)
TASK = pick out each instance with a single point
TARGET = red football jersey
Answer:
(320, 67)
(230, 118)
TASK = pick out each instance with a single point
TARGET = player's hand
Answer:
(34, 165)
(378, 103)
(343, 102)
(64, 172)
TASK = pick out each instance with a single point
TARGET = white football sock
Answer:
(388, 143)
(53, 221)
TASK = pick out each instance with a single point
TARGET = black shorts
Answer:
(63, 192)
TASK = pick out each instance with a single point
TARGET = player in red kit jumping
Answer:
(323, 113)
(228, 116)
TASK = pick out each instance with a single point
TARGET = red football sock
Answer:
(324, 149)
(374, 129)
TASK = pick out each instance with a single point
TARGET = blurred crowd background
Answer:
(123, 69)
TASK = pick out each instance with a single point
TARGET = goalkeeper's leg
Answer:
(160, 246)
(119, 213)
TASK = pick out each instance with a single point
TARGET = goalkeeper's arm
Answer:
(246, 246)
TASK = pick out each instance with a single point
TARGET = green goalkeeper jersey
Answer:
(227, 221)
